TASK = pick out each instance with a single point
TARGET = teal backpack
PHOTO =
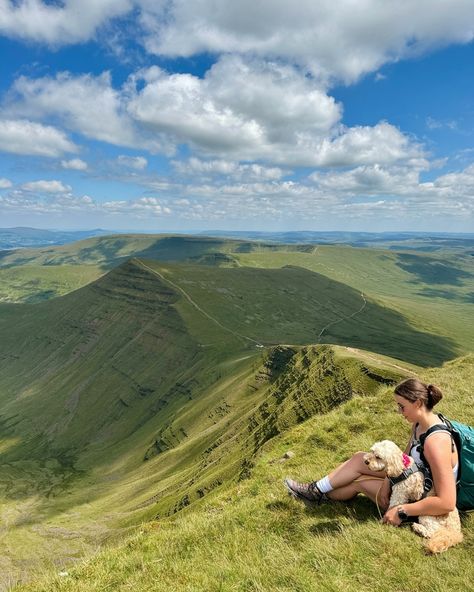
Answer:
(463, 438)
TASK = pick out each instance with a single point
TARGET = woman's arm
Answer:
(437, 451)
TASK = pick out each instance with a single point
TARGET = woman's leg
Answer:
(345, 482)
(352, 469)
(369, 486)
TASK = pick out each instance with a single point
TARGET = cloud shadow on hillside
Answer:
(447, 295)
(432, 271)
(299, 306)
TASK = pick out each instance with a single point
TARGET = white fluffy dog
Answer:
(443, 531)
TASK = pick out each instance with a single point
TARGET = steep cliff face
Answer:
(288, 386)
(311, 382)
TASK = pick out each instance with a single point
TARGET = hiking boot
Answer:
(306, 492)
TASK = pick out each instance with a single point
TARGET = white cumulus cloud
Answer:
(75, 164)
(5, 183)
(458, 184)
(382, 143)
(243, 108)
(86, 104)
(46, 187)
(73, 22)
(27, 137)
(340, 39)
(138, 163)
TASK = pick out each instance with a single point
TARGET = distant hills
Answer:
(418, 241)
(23, 237)
(432, 291)
(20, 237)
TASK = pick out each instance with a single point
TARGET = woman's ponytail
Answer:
(434, 396)
(413, 389)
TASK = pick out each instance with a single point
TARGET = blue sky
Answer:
(180, 115)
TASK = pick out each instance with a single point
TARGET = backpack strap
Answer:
(432, 430)
(446, 427)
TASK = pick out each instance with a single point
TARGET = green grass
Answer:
(146, 394)
(433, 292)
(66, 514)
(35, 283)
(295, 305)
(251, 536)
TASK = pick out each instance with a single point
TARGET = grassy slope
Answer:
(434, 292)
(123, 369)
(251, 536)
(113, 362)
(32, 275)
(288, 386)
(295, 305)
(88, 368)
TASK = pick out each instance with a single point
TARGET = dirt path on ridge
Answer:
(379, 360)
(343, 318)
(191, 301)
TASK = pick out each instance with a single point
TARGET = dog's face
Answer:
(385, 456)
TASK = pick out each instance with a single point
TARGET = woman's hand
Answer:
(391, 517)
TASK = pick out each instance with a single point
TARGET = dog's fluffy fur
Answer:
(441, 532)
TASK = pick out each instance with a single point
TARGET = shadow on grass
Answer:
(447, 295)
(432, 271)
(333, 516)
(329, 527)
(360, 509)
(295, 305)
(279, 506)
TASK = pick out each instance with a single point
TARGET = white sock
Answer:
(324, 485)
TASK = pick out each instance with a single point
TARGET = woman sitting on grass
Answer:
(415, 401)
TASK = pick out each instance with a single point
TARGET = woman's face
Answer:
(409, 409)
